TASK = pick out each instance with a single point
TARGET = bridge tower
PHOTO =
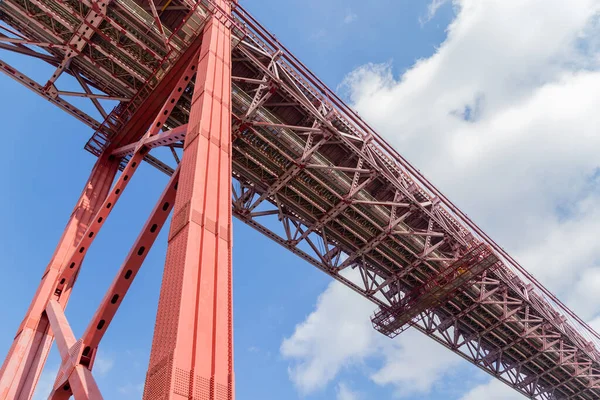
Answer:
(192, 348)
(257, 135)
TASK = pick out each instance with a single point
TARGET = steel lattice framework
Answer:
(205, 79)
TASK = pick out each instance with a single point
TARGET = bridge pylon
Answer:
(192, 348)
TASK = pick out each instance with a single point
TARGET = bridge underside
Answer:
(306, 172)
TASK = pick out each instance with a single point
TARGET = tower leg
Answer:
(192, 348)
(27, 355)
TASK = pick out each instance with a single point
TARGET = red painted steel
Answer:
(124, 278)
(391, 321)
(307, 172)
(192, 349)
(25, 360)
(78, 357)
(74, 377)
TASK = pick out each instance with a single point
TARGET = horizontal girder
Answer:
(315, 178)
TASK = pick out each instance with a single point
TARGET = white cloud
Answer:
(413, 363)
(350, 17)
(338, 335)
(595, 323)
(432, 9)
(504, 119)
(492, 390)
(343, 392)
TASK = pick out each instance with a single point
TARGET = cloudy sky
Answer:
(496, 102)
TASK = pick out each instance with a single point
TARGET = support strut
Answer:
(26, 358)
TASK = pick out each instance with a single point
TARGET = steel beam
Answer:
(54, 99)
(27, 356)
(124, 278)
(78, 378)
(335, 201)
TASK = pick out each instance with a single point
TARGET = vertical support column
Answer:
(27, 355)
(192, 348)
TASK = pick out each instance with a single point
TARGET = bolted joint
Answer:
(273, 86)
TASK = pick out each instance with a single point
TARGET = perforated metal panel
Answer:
(182, 382)
(158, 379)
(202, 388)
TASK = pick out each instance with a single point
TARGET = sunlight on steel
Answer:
(308, 173)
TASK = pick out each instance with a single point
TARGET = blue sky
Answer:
(369, 50)
(45, 167)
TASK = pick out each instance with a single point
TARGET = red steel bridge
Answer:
(254, 134)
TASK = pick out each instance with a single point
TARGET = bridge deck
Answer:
(314, 177)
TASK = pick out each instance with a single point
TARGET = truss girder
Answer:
(39, 89)
(107, 41)
(311, 205)
(515, 343)
(312, 176)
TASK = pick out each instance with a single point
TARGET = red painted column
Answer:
(26, 358)
(192, 348)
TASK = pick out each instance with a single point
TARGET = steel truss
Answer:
(307, 172)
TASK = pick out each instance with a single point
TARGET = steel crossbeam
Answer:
(307, 172)
(24, 363)
(81, 35)
(74, 378)
(39, 89)
(21, 369)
